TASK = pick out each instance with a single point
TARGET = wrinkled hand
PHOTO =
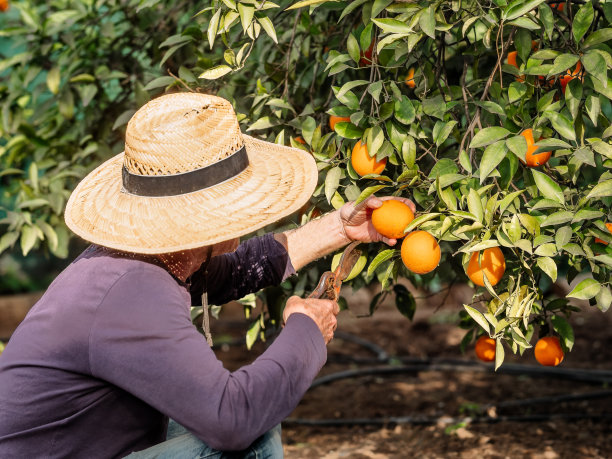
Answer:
(357, 219)
(323, 312)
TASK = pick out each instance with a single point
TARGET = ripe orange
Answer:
(4, 5)
(485, 349)
(300, 140)
(558, 6)
(492, 263)
(366, 56)
(392, 218)
(609, 226)
(531, 159)
(333, 119)
(569, 76)
(512, 58)
(420, 252)
(363, 163)
(548, 351)
(410, 78)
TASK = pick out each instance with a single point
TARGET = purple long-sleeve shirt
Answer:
(109, 353)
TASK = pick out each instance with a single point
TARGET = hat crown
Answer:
(182, 132)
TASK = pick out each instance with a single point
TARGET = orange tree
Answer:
(460, 102)
(448, 121)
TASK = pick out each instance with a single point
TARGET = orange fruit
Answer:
(559, 6)
(392, 218)
(492, 263)
(363, 163)
(366, 56)
(333, 119)
(512, 58)
(609, 226)
(300, 140)
(534, 159)
(4, 5)
(410, 78)
(420, 252)
(485, 349)
(548, 351)
(569, 76)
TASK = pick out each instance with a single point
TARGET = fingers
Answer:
(406, 201)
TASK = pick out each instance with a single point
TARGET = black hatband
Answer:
(186, 182)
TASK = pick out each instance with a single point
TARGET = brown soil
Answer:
(450, 397)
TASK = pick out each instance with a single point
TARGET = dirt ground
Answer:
(444, 398)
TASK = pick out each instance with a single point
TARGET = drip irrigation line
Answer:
(552, 399)
(426, 420)
(590, 376)
(381, 354)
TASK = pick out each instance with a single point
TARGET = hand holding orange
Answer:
(392, 218)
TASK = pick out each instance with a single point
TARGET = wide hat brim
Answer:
(278, 181)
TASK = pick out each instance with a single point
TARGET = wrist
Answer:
(340, 229)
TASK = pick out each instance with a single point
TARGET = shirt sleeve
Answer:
(142, 340)
(257, 263)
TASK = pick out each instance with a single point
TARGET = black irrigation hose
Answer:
(590, 376)
(426, 420)
(381, 354)
(552, 399)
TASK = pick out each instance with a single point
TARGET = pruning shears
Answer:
(331, 281)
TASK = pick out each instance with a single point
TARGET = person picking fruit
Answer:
(110, 354)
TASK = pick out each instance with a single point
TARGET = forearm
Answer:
(314, 240)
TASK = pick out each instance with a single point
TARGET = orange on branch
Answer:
(548, 351)
(485, 349)
(363, 163)
(333, 119)
(410, 78)
(609, 226)
(558, 6)
(420, 252)
(392, 218)
(366, 56)
(300, 140)
(492, 263)
(4, 5)
(569, 76)
(533, 159)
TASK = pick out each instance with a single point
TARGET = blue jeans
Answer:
(182, 444)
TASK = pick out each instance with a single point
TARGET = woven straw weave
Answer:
(179, 133)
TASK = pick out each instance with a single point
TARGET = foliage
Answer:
(451, 135)
(72, 73)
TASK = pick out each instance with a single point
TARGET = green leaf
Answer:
(53, 80)
(368, 192)
(597, 37)
(564, 329)
(499, 352)
(404, 110)
(548, 266)
(563, 236)
(548, 187)
(420, 220)
(213, 27)
(159, 83)
(427, 21)
(507, 200)
(442, 130)
(392, 25)
(348, 130)
(604, 299)
(582, 21)
(562, 125)
(8, 240)
(350, 85)
(304, 3)
(215, 72)
(519, 8)
(493, 155)
(379, 6)
(475, 205)
(29, 236)
(586, 214)
(516, 91)
(379, 259)
(562, 63)
(332, 180)
(595, 65)
(518, 146)
(601, 189)
(488, 135)
(262, 123)
(478, 317)
(404, 301)
(252, 334)
(585, 290)
(267, 25)
(557, 218)
(353, 48)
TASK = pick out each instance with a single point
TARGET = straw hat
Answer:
(188, 178)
